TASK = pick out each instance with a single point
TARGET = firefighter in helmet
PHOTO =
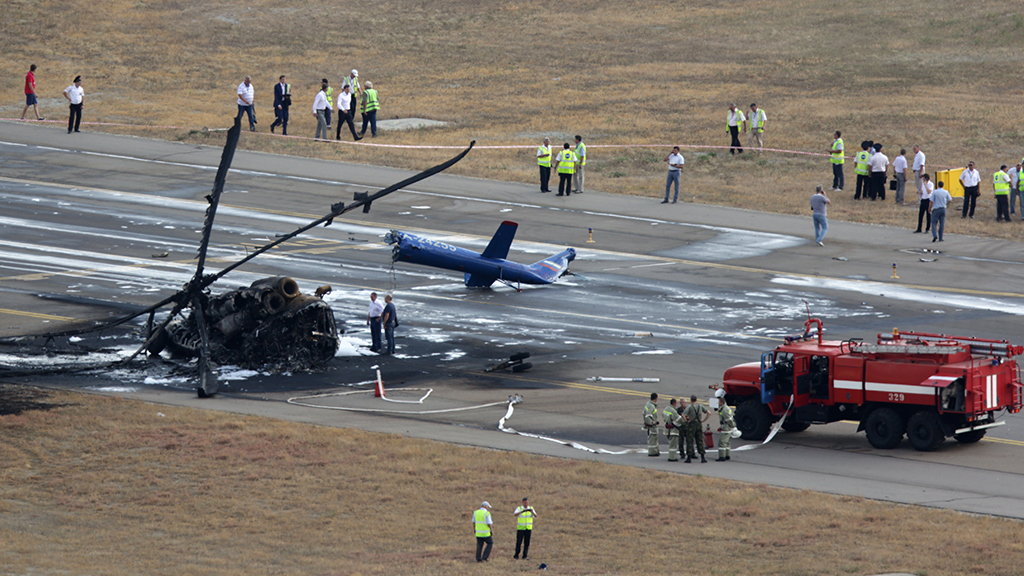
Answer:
(673, 425)
(726, 425)
(651, 425)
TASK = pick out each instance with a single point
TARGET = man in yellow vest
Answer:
(757, 120)
(524, 527)
(581, 154)
(329, 93)
(1001, 184)
(651, 423)
(566, 168)
(838, 159)
(735, 123)
(862, 169)
(482, 524)
(544, 163)
(369, 109)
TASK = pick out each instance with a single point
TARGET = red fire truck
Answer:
(927, 386)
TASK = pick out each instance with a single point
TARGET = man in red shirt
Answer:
(30, 93)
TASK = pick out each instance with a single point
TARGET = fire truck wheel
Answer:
(925, 431)
(794, 426)
(970, 437)
(753, 419)
(885, 428)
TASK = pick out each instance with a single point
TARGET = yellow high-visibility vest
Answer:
(483, 529)
(544, 156)
(566, 162)
(1001, 182)
(837, 152)
(861, 163)
(581, 153)
(525, 519)
(328, 93)
(370, 102)
(757, 120)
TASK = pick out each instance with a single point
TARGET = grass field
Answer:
(622, 73)
(108, 486)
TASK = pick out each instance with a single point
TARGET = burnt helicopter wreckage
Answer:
(269, 325)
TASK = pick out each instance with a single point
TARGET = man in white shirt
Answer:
(319, 107)
(373, 318)
(1014, 182)
(971, 181)
(924, 194)
(918, 166)
(345, 112)
(76, 96)
(246, 100)
(879, 164)
(736, 122)
(899, 171)
(757, 121)
(675, 165)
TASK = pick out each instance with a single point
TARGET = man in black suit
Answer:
(282, 100)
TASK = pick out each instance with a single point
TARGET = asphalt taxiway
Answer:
(94, 225)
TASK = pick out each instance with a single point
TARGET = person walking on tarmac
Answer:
(673, 425)
(566, 168)
(726, 424)
(482, 523)
(544, 163)
(756, 119)
(651, 423)
(694, 417)
(524, 528)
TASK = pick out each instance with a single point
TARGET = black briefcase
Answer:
(893, 184)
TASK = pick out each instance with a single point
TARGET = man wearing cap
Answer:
(352, 81)
(524, 527)
(544, 163)
(651, 425)
(673, 425)
(482, 523)
(693, 418)
(76, 96)
(726, 424)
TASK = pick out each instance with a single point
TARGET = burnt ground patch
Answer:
(16, 398)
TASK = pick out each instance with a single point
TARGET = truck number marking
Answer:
(896, 397)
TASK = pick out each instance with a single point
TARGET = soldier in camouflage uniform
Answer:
(673, 425)
(694, 417)
(726, 424)
(651, 425)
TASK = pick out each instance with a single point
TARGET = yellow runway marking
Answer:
(36, 315)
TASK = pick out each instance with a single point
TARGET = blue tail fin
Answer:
(498, 248)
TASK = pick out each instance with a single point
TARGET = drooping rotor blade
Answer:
(226, 157)
(339, 209)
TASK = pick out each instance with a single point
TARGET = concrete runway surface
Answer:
(677, 292)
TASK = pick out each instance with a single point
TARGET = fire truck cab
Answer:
(927, 386)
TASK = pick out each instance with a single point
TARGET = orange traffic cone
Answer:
(378, 391)
(709, 438)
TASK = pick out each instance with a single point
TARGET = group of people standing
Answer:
(687, 420)
(753, 124)
(382, 315)
(482, 523)
(352, 96)
(570, 163)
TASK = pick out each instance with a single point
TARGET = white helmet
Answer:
(735, 433)
(720, 393)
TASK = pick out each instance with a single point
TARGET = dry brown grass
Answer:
(111, 486)
(619, 72)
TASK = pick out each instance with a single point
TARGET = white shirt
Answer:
(926, 192)
(344, 102)
(756, 115)
(76, 93)
(674, 161)
(878, 162)
(376, 307)
(1012, 172)
(918, 161)
(245, 94)
(899, 165)
(970, 178)
(735, 118)
(320, 103)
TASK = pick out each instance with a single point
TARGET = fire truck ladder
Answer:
(979, 346)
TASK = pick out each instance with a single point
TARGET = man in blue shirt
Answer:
(390, 320)
(940, 199)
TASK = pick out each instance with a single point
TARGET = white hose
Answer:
(576, 445)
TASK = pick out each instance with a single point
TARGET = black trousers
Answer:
(922, 212)
(523, 539)
(878, 185)
(970, 200)
(1002, 207)
(863, 185)
(480, 546)
(75, 118)
(564, 183)
(281, 120)
(346, 118)
(734, 131)
(545, 177)
(837, 176)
